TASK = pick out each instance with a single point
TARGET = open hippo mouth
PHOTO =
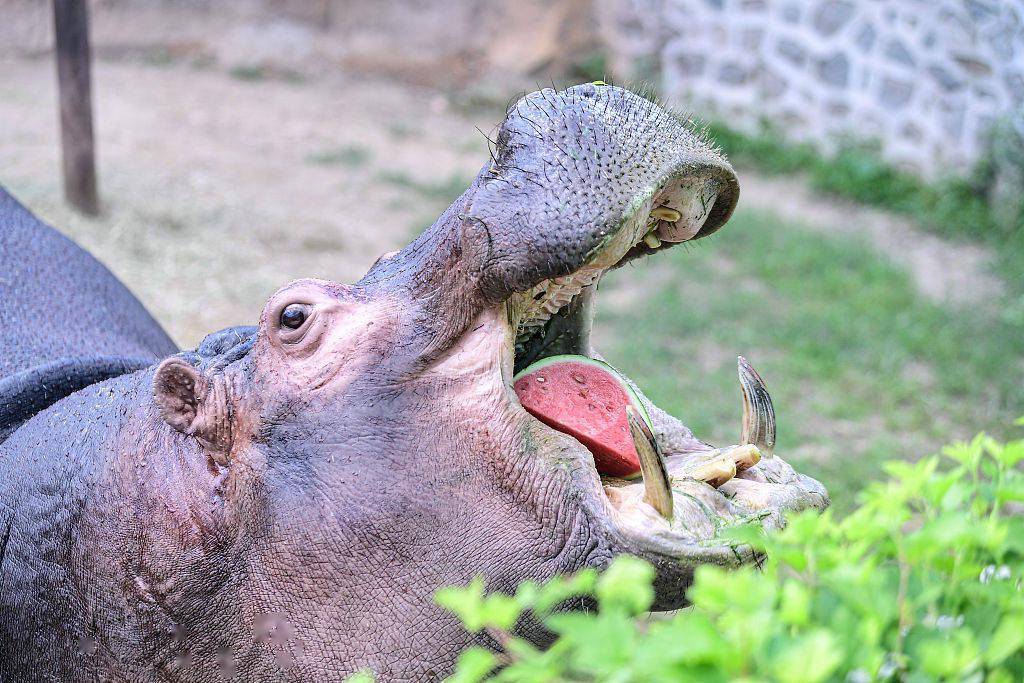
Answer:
(656, 184)
(580, 182)
(688, 491)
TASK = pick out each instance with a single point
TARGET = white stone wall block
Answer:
(924, 78)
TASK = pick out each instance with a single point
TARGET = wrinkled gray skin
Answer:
(65, 321)
(281, 504)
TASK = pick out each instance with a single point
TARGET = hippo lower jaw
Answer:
(555, 317)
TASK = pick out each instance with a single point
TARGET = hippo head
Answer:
(364, 443)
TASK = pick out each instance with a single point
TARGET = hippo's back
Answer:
(65, 320)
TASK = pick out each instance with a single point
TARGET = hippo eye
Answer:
(293, 316)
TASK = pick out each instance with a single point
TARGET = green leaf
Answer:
(717, 590)
(948, 656)
(466, 603)
(794, 604)
(808, 659)
(690, 638)
(751, 534)
(1007, 640)
(474, 664)
(364, 676)
(1010, 491)
(967, 454)
(626, 585)
(599, 643)
(500, 611)
(477, 611)
(560, 589)
(1000, 676)
(1010, 454)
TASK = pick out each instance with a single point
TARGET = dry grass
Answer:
(218, 191)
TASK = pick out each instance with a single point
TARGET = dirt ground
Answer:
(220, 186)
(216, 191)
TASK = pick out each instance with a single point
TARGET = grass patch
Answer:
(442, 191)
(248, 72)
(861, 367)
(436, 195)
(352, 156)
(952, 207)
(588, 67)
(401, 131)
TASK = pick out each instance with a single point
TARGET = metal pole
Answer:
(71, 30)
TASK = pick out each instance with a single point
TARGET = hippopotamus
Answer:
(283, 501)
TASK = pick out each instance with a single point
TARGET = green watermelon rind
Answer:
(569, 357)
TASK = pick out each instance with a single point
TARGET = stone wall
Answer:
(926, 78)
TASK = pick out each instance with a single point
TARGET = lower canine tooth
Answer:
(651, 240)
(666, 214)
(657, 493)
(758, 412)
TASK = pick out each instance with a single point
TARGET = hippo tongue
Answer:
(586, 399)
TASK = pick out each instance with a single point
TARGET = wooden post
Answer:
(325, 14)
(71, 31)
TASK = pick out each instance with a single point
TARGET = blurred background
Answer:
(874, 272)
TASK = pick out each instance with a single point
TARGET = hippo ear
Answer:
(195, 405)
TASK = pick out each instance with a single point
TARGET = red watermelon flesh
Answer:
(586, 399)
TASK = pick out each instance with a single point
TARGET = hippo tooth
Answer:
(556, 293)
(758, 413)
(715, 471)
(745, 456)
(651, 240)
(657, 493)
(664, 213)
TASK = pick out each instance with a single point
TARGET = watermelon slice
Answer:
(586, 399)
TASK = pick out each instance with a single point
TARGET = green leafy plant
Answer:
(922, 582)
